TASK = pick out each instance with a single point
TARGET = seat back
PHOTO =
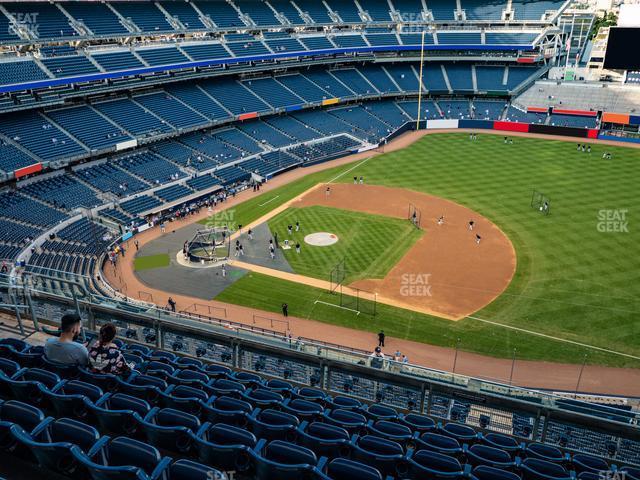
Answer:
(289, 454)
(344, 469)
(189, 470)
(73, 431)
(484, 472)
(123, 451)
(20, 413)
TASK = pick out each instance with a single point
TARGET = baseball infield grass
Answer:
(577, 276)
(371, 244)
(150, 262)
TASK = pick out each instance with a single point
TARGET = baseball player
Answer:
(471, 224)
(478, 238)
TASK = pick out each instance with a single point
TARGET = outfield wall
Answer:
(513, 127)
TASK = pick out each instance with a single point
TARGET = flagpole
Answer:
(420, 86)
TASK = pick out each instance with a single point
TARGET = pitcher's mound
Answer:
(321, 239)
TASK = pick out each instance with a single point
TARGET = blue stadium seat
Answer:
(385, 455)
(353, 422)
(417, 423)
(262, 397)
(227, 409)
(345, 469)
(489, 456)
(185, 398)
(631, 472)
(118, 413)
(272, 424)
(170, 429)
(68, 398)
(460, 432)
(534, 469)
(428, 464)
(503, 442)
(184, 469)
(142, 386)
(28, 384)
(52, 444)
(376, 411)
(303, 409)
(225, 446)
(545, 452)
(324, 439)
(582, 462)
(346, 403)
(489, 473)
(26, 416)
(125, 459)
(438, 443)
(283, 461)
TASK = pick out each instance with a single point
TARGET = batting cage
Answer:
(540, 202)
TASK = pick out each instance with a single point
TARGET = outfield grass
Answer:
(572, 280)
(150, 262)
(371, 244)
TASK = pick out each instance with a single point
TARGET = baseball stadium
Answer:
(334, 240)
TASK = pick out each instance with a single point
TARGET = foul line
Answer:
(350, 169)
(554, 338)
(268, 201)
(337, 306)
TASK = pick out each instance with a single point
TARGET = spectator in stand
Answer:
(104, 356)
(64, 349)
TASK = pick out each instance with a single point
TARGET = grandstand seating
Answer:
(22, 71)
(572, 121)
(161, 56)
(150, 167)
(205, 412)
(19, 208)
(171, 110)
(459, 77)
(48, 21)
(114, 61)
(534, 10)
(147, 17)
(97, 17)
(185, 14)
(488, 110)
(484, 10)
(132, 118)
(108, 178)
(141, 204)
(69, 66)
(347, 11)
(273, 92)
(516, 115)
(11, 158)
(235, 97)
(89, 127)
(39, 136)
(62, 192)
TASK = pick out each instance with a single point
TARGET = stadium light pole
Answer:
(420, 85)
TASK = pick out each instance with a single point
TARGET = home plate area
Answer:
(321, 239)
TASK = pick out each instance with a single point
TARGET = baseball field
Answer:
(574, 294)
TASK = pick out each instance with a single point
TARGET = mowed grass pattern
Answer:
(370, 244)
(572, 281)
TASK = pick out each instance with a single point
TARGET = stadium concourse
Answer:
(605, 380)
